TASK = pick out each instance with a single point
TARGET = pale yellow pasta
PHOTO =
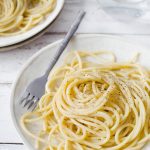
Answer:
(18, 16)
(93, 105)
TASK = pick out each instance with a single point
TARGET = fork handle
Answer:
(65, 42)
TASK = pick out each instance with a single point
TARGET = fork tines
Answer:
(29, 100)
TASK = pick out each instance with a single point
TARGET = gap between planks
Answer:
(1, 143)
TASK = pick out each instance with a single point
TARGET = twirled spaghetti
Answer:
(18, 16)
(93, 105)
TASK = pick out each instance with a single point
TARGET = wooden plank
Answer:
(8, 133)
(12, 147)
(12, 61)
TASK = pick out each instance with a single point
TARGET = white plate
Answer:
(39, 62)
(10, 40)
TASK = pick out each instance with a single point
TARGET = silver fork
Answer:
(36, 88)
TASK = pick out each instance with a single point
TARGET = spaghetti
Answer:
(18, 16)
(93, 105)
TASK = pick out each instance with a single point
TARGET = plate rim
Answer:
(37, 54)
(40, 29)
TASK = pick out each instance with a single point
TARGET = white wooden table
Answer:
(12, 61)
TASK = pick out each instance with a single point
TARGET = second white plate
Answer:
(11, 40)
